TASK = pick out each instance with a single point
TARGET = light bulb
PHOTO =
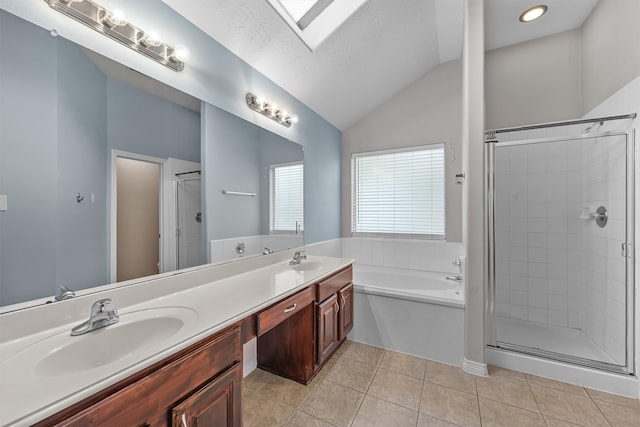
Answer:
(294, 119)
(180, 53)
(151, 38)
(274, 109)
(533, 13)
(114, 18)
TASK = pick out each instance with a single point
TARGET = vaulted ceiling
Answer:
(379, 50)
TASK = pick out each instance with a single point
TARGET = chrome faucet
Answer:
(101, 316)
(297, 257)
(267, 251)
(64, 293)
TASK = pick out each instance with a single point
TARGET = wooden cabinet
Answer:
(345, 315)
(216, 404)
(286, 337)
(298, 335)
(327, 328)
(201, 383)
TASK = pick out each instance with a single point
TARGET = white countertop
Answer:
(27, 397)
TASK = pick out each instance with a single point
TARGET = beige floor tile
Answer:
(620, 416)
(450, 376)
(283, 390)
(507, 390)
(569, 407)
(397, 388)
(450, 405)
(559, 385)
(553, 422)
(253, 382)
(403, 363)
(497, 414)
(332, 403)
(614, 398)
(363, 353)
(352, 373)
(427, 421)
(260, 412)
(300, 419)
(502, 372)
(379, 413)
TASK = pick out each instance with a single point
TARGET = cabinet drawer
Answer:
(271, 317)
(152, 397)
(333, 284)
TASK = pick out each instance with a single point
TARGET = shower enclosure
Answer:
(560, 232)
(189, 220)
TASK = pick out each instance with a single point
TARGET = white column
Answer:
(473, 210)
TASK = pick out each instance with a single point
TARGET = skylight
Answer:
(314, 20)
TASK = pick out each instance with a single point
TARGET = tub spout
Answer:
(454, 278)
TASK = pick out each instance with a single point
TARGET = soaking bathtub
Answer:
(415, 312)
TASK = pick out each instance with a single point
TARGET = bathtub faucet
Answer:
(458, 277)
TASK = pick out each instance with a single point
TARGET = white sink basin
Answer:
(138, 332)
(307, 266)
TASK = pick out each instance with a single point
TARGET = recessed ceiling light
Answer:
(533, 13)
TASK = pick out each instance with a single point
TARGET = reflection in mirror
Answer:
(254, 189)
(78, 130)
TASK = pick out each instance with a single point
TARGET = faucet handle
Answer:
(100, 306)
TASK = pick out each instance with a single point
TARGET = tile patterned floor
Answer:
(368, 386)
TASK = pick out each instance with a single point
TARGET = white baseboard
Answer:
(475, 368)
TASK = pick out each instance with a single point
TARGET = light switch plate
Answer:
(3, 202)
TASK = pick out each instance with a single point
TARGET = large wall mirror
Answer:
(103, 174)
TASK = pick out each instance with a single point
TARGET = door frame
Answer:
(113, 217)
(632, 359)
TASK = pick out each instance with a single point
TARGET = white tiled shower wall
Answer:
(546, 276)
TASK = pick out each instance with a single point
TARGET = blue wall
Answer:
(59, 118)
(218, 77)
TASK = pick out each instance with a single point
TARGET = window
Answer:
(287, 198)
(313, 21)
(399, 192)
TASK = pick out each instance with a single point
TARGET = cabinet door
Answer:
(327, 328)
(345, 315)
(215, 405)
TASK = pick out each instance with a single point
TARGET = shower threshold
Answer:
(553, 342)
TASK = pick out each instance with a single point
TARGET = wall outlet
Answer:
(3, 202)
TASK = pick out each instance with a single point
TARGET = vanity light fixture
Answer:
(270, 110)
(114, 24)
(533, 13)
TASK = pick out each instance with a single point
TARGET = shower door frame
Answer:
(490, 276)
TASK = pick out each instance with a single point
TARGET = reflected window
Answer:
(287, 198)
(399, 192)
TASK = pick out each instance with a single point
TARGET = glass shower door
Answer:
(562, 278)
(189, 219)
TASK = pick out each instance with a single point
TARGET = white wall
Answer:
(427, 111)
(534, 82)
(611, 50)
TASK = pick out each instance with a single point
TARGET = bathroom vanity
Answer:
(193, 375)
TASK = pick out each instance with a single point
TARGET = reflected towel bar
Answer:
(238, 193)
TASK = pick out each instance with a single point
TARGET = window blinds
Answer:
(287, 197)
(399, 192)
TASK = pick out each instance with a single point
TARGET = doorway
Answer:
(561, 281)
(136, 216)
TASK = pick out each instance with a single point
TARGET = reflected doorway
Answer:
(137, 199)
